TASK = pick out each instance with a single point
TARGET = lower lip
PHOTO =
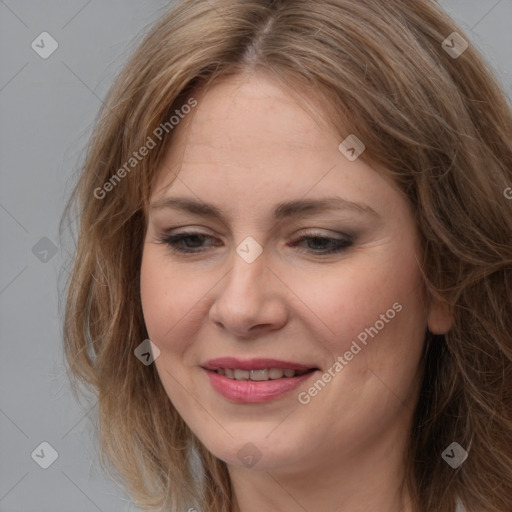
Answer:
(249, 391)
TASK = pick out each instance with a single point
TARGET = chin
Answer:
(257, 452)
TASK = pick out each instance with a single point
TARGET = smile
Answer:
(260, 375)
(255, 380)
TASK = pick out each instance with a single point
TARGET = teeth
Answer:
(275, 373)
(242, 374)
(258, 375)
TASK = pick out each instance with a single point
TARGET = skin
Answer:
(248, 146)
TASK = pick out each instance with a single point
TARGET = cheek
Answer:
(153, 294)
(168, 296)
(352, 299)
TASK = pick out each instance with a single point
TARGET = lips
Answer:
(255, 380)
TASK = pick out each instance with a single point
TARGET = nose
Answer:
(250, 299)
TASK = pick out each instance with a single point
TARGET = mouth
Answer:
(255, 380)
(262, 374)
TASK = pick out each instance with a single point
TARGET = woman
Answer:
(292, 285)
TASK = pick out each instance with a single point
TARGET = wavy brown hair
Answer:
(441, 126)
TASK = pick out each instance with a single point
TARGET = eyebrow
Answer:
(282, 210)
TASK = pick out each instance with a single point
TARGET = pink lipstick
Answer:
(255, 380)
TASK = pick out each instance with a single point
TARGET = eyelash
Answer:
(172, 240)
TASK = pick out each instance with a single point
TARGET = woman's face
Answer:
(297, 255)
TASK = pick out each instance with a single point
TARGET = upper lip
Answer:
(254, 364)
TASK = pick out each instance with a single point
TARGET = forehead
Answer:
(251, 143)
(248, 121)
(251, 109)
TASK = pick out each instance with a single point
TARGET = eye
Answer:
(321, 244)
(186, 242)
(192, 243)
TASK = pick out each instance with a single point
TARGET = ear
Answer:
(440, 318)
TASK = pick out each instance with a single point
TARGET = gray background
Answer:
(47, 110)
